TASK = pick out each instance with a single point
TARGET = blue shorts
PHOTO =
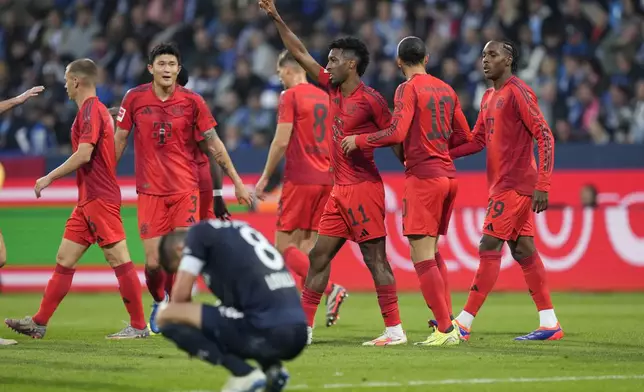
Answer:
(235, 335)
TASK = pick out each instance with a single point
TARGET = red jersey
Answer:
(97, 178)
(428, 120)
(307, 155)
(165, 137)
(363, 111)
(508, 122)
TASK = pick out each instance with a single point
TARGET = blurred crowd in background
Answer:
(584, 58)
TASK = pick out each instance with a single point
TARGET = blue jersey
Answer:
(244, 271)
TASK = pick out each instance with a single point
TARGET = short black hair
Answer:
(514, 52)
(183, 77)
(164, 48)
(285, 58)
(167, 244)
(412, 50)
(357, 47)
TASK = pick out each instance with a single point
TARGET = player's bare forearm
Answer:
(120, 142)
(296, 48)
(182, 287)
(278, 148)
(216, 173)
(8, 104)
(218, 150)
(74, 162)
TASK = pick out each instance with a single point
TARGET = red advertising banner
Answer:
(586, 249)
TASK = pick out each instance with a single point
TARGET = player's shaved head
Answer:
(84, 69)
(169, 249)
(412, 51)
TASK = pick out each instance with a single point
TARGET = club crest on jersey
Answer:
(177, 111)
(499, 103)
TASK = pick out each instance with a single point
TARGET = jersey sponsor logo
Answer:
(121, 114)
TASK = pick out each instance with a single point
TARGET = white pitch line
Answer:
(465, 381)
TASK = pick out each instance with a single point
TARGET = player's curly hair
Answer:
(514, 52)
(357, 48)
(164, 48)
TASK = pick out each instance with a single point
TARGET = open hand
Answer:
(41, 183)
(221, 211)
(260, 188)
(349, 144)
(243, 196)
(32, 92)
(269, 7)
(539, 201)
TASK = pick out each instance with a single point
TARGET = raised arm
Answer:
(291, 41)
(20, 99)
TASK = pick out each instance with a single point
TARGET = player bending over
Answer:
(4, 106)
(211, 201)
(169, 121)
(356, 208)
(302, 136)
(260, 316)
(428, 119)
(97, 216)
(508, 122)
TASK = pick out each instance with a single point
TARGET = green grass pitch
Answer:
(603, 350)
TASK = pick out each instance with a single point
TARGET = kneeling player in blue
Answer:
(260, 316)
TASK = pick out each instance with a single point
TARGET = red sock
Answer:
(310, 302)
(535, 276)
(169, 282)
(57, 288)
(442, 267)
(388, 301)
(155, 280)
(433, 289)
(486, 275)
(298, 263)
(130, 289)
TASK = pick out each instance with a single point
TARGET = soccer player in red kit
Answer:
(169, 123)
(97, 217)
(211, 201)
(356, 208)
(508, 122)
(302, 136)
(428, 119)
(4, 106)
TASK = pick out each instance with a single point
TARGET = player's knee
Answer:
(522, 250)
(489, 243)
(64, 260)
(116, 254)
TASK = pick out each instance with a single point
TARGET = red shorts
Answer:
(95, 222)
(427, 205)
(301, 206)
(206, 205)
(508, 216)
(159, 215)
(355, 212)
